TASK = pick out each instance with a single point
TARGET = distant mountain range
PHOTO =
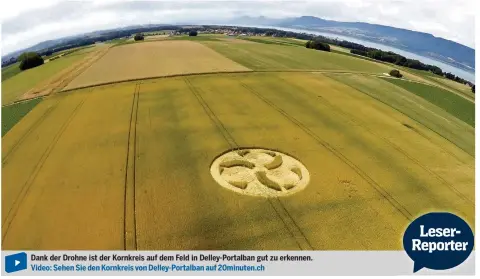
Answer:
(417, 42)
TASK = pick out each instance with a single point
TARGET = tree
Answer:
(318, 45)
(139, 37)
(193, 33)
(30, 60)
(395, 73)
(473, 89)
(359, 52)
(324, 47)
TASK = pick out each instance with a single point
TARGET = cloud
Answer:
(25, 23)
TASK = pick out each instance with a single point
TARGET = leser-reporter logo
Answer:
(15, 262)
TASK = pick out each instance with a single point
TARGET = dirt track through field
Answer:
(60, 80)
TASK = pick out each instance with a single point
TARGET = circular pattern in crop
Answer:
(260, 172)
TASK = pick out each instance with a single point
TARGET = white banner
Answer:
(47, 263)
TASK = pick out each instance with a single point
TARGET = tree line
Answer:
(397, 59)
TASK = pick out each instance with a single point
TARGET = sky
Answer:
(25, 23)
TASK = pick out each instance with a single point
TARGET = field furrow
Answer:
(179, 206)
(32, 143)
(248, 119)
(130, 228)
(412, 186)
(81, 184)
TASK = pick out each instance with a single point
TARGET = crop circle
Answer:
(260, 172)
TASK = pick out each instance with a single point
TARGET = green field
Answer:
(13, 113)
(128, 165)
(273, 57)
(457, 106)
(72, 51)
(10, 71)
(274, 41)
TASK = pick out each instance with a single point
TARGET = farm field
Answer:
(261, 56)
(49, 77)
(153, 59)
(93, 182)
(12, 114)
(140, 176)
(418, 109)
(411, 74)
(458, 106)
(274, 41)
(465, 90)
(72, 51)
(136, 152)
(10, 71)
(15, 86)
(156, 37)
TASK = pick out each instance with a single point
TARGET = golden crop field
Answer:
(127, 166)
(154, 59)
(420, 111)
(59, 81)
(74, 175)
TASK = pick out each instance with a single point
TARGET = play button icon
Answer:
(15, 262)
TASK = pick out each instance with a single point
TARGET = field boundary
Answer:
(153, 77)
(147, 79)
(385, 194)
(58, 81)
(31, 178)
(130, 224)
(22, 101)
(236, 72)
(276, 204)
